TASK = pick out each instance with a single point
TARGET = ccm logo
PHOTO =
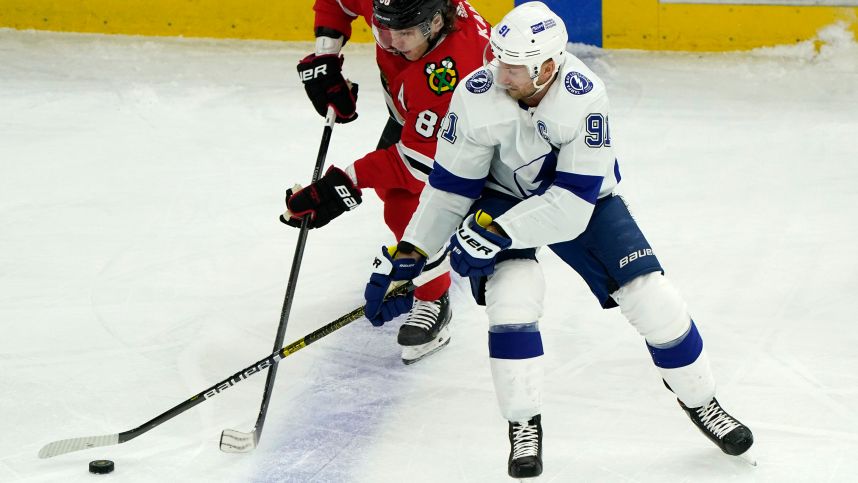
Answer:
(308, 74)
(346, 196)
(634, 256)
(474, 243)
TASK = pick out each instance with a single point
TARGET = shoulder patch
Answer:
(578, 84)
(480, 82)
(442, 78)
(543, 130)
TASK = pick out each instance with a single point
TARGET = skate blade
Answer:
(748, 458)
(414, 353)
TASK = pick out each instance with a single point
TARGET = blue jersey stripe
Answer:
(583, 186)
(444, 180)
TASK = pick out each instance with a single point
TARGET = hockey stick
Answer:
(76, 444)
(230, 439)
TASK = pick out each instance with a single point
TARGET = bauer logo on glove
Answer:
(322, 76)
(476, 245)
(346, 196)
(312, 72)
(473, 248)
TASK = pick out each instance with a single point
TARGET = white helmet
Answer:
(529, 35)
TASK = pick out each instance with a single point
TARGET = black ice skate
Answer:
(426, 330)
(525, 448)
(733, 437)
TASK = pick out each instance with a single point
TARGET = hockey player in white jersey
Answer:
(524, 160)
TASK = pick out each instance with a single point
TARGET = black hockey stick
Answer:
(76, 444)
(231, 439)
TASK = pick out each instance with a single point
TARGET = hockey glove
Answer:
(323, 80)
(386, 270)
(473, 248)
(322, 201)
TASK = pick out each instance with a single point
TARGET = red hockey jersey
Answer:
(420, 91)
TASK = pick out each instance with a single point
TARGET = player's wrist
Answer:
(496, 229)
(407, 250)
(329, 41)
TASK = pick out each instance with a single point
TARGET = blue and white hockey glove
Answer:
(473, 248)
(386, 270)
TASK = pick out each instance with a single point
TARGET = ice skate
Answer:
(525, 448)
(426, 330)
(733, 437)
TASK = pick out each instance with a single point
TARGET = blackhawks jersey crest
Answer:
(442, 78)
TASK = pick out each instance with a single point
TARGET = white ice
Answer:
(141, 261)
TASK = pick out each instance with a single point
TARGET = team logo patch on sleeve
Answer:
(578, 84)
(480, 82)
(442, 78)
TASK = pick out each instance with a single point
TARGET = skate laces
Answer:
(716, 420)
(424, 314)
(525, 440)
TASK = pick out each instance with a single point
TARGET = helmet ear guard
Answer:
(529, 35)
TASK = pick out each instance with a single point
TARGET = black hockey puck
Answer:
(101, 467)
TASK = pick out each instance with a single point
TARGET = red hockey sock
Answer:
(434, 289)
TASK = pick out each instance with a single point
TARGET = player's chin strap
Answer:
(538, 87)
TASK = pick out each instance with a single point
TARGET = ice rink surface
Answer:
(141, 261)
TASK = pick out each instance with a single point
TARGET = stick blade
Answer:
(232, 441)
(76, 444)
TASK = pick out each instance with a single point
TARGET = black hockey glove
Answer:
(323, 80)
(322, 201)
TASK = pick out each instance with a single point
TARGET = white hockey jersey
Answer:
(556, 157)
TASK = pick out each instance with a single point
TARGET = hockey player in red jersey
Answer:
(424, 48)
